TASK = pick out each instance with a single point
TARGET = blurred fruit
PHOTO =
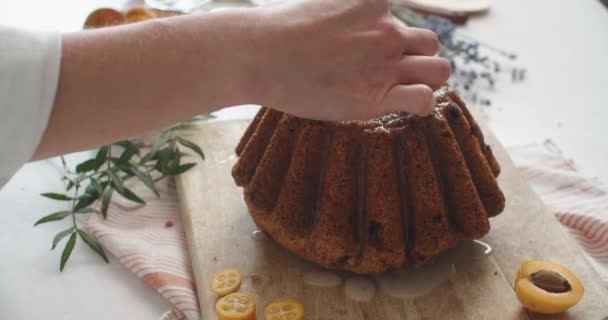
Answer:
(104, 17)
(138, 13)
(284, 310)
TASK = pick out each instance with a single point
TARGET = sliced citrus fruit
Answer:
(284, 310)
(226, 281)
(236, 306)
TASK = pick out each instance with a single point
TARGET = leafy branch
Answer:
(105, 175)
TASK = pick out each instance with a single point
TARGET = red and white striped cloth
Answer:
(151, 243)
(578, 202)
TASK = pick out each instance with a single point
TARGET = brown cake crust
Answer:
(368, 196)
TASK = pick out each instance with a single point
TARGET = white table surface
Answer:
(564, 46)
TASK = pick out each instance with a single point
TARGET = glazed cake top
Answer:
(397, 119)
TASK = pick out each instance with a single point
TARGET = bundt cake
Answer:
(368, 196)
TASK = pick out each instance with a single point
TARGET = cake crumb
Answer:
(169, 224)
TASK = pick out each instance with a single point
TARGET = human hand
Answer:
(343, 60)
(318, 59)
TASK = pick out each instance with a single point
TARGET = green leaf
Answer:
(162, 139)
(128, 194)
(53, 217)
(105, 201)
(91, 194)
(90, 191)
(192, 146)
(93, 244)
(85, 201)
(70, 186)
(86, 166)
(152, 155)
(56, 196)
(164, 158)
(102, 156)
(80, 178)
(126, 168)
(146, 179)
(116, 180)
(169, 160)
(95, 185)
(67, 251)
(60, 236)
(87, 210)
(126, 144)
(183, 168)
(187, 125)
(130, 150)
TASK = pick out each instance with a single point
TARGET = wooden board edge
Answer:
(181, 185)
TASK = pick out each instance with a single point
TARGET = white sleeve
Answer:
(29, 72)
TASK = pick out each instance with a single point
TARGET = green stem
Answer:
(65, 165)
(76, 188)
(109, 158)
(109, 162)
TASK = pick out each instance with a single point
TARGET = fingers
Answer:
(419, 41)
(416, 99)
(432, 71)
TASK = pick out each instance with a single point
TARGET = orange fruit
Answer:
(546, 287)
(284, 310)
(138, 13)
(226, 281)
(104, 17)
(236, 306)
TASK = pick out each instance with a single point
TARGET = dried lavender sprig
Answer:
(476, 66)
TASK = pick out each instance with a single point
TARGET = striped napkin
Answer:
(579, 203)
(151, 243)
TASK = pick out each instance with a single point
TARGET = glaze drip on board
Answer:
(362, 289)
(414, 282)
(258, 235)
(407, 283)
(322, 278)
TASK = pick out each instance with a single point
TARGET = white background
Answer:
(563, 44)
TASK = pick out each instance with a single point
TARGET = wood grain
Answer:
(218, 229)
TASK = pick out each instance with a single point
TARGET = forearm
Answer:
(119, 82)
(318, 59)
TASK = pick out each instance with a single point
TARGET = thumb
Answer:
(417, 99)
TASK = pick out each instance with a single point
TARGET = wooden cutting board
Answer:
(219, 229)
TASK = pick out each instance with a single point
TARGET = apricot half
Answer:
(104, 17)
(138, 13)
(547, 287)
